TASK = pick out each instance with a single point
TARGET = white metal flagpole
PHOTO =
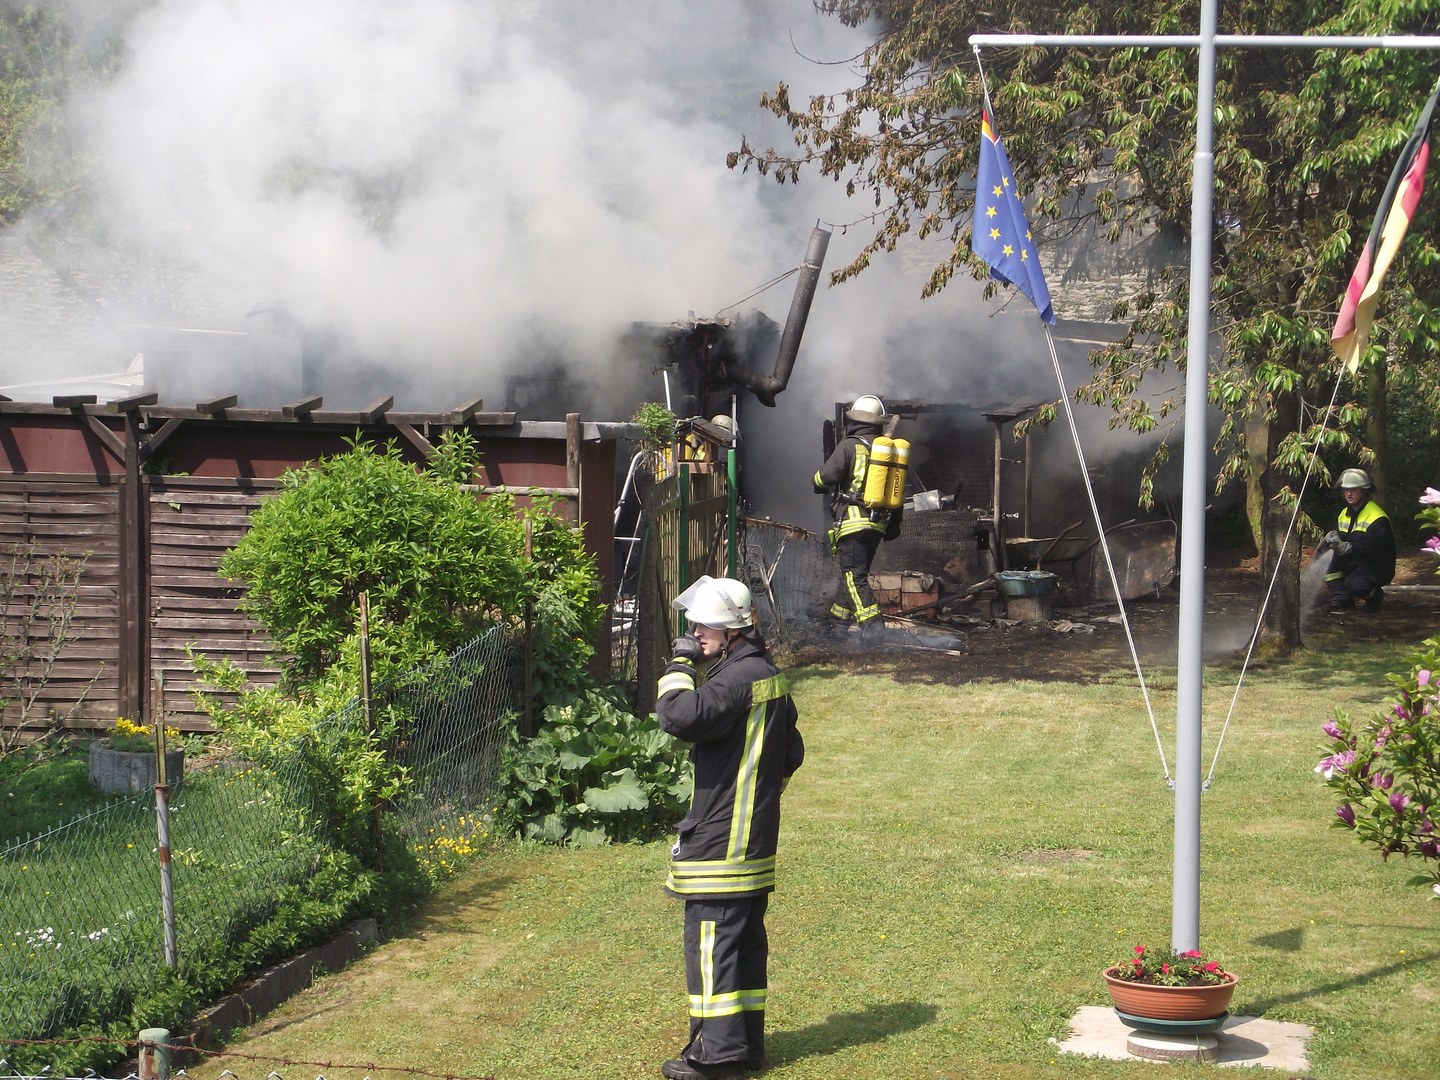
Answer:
(1185, 911)
(1190, 666)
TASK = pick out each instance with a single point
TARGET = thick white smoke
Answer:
(438, 180)
(456, 189)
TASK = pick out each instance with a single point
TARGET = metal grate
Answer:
(791, 575)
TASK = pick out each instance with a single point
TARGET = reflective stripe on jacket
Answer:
(844, 472)
(742, 724)
(1372, 543)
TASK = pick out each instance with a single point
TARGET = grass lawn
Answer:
(36, 797)
(957, 864)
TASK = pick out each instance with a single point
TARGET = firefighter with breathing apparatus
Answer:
(1362, 546)
(865, 477)
(741, 722)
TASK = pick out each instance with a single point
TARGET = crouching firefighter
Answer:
(1363, 544)
(865, 477)
(742, 723)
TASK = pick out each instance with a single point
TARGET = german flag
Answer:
(1392, 219)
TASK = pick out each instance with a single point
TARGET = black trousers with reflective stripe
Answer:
(726, 951)
(855, 553)
(1360, 583)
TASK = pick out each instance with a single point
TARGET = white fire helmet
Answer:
(725, 422)
(722, 603)
(868, 409)
(1355, 478)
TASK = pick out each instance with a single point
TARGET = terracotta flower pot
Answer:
(1170, 1002)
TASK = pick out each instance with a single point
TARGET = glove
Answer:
(1332, 540)
(687, 650)
(1342, 548)
(892, 526)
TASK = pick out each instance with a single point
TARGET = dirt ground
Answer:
(959, 654)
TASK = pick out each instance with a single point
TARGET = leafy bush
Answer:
(567, 612)
(344, 764)
(594, 774)
(1386, 770)
(657, 423)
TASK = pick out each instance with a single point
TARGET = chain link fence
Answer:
(454, 715)
(81, 934)
(81, 902)
(792, 577)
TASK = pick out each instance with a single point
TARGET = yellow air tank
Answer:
(877, 473)
(895, 489)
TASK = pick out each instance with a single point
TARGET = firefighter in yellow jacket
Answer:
(860, 522)
(741, 720)
(1363, 547)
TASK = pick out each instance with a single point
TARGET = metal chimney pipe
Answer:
(765, 387)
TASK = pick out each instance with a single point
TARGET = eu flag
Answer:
(1001, 235)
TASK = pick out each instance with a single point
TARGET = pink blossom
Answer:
(1384, 782)
(1430, 498)
(1430, 849)
(1422, 678)
(1332, 729)
(1346, 814)
(1329, 766)
(1402, 712)
(1399, 802)
(1433, 545)
(1212, 967)
(1139, 949)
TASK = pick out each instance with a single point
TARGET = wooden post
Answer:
(1029, 476)
(364, 599)
(999, 533)
(647, 596)
(134, 556)
(528, 724)
(572, 460)
(377, 832)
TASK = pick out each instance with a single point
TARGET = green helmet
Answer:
(1355, 478)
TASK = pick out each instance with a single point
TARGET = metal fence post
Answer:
(377, 830)
(167, 885)
(528, 716)
(682, 473)
(154, 1056)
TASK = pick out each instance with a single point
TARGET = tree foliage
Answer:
(1103, 141)
(48, 53)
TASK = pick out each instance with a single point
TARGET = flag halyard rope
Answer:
(1105, 547)
(1275, 575)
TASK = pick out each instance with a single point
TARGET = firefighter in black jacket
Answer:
(1364, 547)
(742, 723)
(858, 530)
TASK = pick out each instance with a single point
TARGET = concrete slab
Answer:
(1245, 1040)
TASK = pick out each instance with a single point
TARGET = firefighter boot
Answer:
(680, 1069)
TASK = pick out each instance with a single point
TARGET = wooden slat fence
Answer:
(81, 521)
(708, 507)
(192, 524)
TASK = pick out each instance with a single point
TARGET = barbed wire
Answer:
(187, 1048)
